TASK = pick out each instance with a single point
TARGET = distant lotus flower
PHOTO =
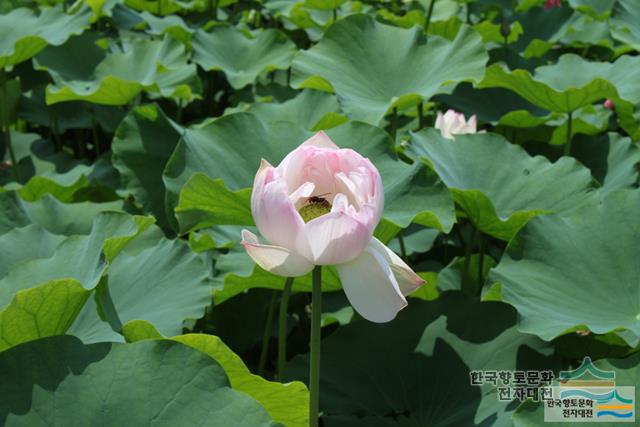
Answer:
(453, 123)
(550, 4)
(319, 206)
(609, 104)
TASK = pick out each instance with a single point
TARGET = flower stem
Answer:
(6, 127)
(481, 246)
(213, 9)
(467, 262)
(394, 122)
(12, 154)
(429, 13)
(267, 334)
(94, 132)
(420, 115)
(567, 147)
(314, 366)
(282, 328)
(403, 249)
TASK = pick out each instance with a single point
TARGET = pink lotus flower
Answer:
(550, 4)
(319, 206)
(453, 123)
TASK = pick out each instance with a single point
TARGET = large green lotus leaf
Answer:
(581, 270)
(55, 216)
(141, 148)
(36, 156)
(168, 7)
(583, 30)
(541, 24)
(171, 24)
(613, 160)
(416, 240)
(314, 110)
(285, 403)
(43, 311)
(164, 285)
(80, 257)
(242, 58)
(489, 105)
(323, 4)
(39, 186)
(23, 33)
(149, 382)
(431, 347)
(597, 8)
(117, 76)
(373, 67)
(627, 373)
(46, 171)
(25, 243)
(412, 192)
(560, 89)
(205, 202)
(497, 184)
(68, 115)
(625, 23)
(589, 120)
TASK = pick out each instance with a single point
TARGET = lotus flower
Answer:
(319, 206)
(453, 123)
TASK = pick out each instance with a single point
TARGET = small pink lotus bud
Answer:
(550, 4)
(609, 104)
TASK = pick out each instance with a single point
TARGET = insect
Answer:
(319, 200)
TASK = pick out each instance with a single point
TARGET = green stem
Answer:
(80, 152)
(282, 328)
(420, 115)
(267, 334)
(213, 9)
(12, 154)
(567, 146)
(7, 130)
(179, 113)
(506, 49)
(394, 122)
(335, 15)
(429, 13)
(314, 366)
(467, 262)
(94, 133)
(403, 249)
(56, 127)
(480, 263)
(160, 7)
